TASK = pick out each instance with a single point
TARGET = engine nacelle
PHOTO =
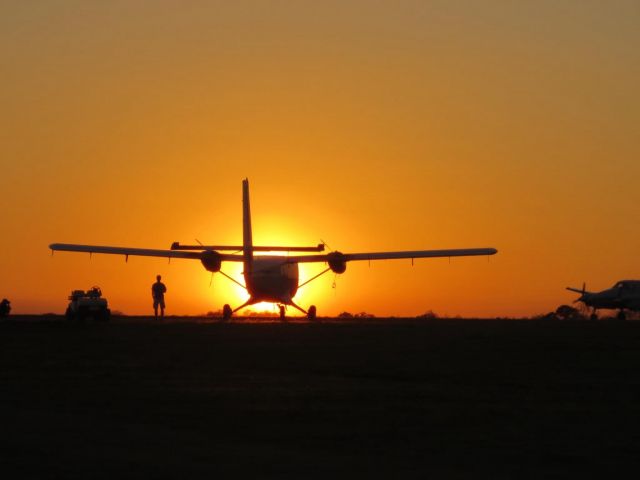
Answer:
(337, 262)
(211, 260)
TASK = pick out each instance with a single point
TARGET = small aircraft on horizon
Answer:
(625, 294)
(268, 278)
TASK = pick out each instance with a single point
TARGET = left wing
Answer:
(143, 252)
(347, 257)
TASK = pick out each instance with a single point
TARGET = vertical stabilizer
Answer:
(247, 241)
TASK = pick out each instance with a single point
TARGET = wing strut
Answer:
(313, 278)
(232, 279)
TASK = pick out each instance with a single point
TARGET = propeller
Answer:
(584, 290)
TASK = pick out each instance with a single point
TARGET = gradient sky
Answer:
(371, 125)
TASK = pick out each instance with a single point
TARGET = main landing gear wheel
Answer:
(621, 315)
(282, 312)
(226, 312)
(311, 314)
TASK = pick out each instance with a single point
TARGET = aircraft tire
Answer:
(226, 312)
(311, 314)
(621, 315)
(282, 313)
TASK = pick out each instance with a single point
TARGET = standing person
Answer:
(5, 307)
(158, 290)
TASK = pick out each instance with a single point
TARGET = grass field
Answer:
(438, 398)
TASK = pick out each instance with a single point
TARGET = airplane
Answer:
(625, 294)
(268, 278)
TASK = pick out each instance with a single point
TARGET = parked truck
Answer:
(84, 305)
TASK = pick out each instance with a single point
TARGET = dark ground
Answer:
(441, 398)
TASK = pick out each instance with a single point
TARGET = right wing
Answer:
(348, 257)
(143, 252)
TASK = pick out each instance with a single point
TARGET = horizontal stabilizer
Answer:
(237, 248)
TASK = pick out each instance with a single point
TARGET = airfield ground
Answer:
(397, 398)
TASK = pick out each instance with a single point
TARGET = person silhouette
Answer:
(158, 290)
(5, 307)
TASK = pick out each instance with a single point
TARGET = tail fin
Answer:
(247, 241)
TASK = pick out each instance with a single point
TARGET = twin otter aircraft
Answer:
(268, 278)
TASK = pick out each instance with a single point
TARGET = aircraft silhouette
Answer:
(268, 278)
(625, 294)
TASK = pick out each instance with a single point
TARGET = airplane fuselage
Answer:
(271, 280)
(605, 299)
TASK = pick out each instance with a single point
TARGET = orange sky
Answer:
(371, 125)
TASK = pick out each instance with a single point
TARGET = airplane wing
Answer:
(347, 257)
(333, 256)
(143, 252)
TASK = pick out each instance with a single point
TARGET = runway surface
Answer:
(444, 398)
